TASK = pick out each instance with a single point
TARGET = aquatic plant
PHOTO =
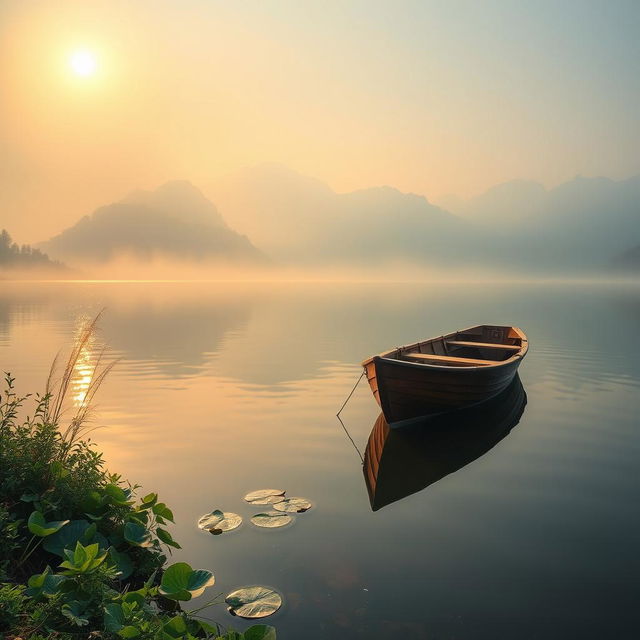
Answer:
(80, 553)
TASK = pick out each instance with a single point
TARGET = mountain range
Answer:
(579, 226)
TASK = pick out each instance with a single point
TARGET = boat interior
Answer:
(479, 346)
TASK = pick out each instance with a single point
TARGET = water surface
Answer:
(222, 389)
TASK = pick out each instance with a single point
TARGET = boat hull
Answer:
(400, 462)
(407, 392)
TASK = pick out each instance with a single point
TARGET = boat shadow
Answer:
(398, 463)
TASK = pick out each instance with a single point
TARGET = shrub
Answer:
(80, 553)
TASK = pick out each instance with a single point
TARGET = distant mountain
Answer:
(301, 219)
(517, 227)
(25, 258)
(581, 223)
(510, 203)
(174, 221)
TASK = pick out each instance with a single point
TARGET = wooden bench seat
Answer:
(452, 360)
(484, 345)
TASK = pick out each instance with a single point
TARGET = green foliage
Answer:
(181, 582)
(40, 527)
(82, 559)
(12, 602)
(75, 531)
(59, 507)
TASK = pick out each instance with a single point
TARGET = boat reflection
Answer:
(398, 463)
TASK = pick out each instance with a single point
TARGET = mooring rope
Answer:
(355, 446)
(344, 404)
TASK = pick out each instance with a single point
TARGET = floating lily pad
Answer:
(271, 519)
(218, 521)
(293, 505)
(265, 496)
(253, 602)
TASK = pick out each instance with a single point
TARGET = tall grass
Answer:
(58, 385)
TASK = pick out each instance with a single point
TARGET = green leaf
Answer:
(69, 535)
(176, 627)
(140, 517)
(89, 534)
(161, 509)
(137, 535)
(181, 582)
(208, 628)
(83, 559)
(115, 494)
(92, 503)
(58, 470)
(129, 632)
(253, 602)
(44, 584)
(260, 632)
(149, 501)
(40, 527)
(74, 611)
(114, 618)
(135, 597)
(122, 562)
(166, 537)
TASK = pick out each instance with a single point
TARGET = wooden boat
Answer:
(442, 374)
(398, 463)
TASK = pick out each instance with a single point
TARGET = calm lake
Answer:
(226, 388)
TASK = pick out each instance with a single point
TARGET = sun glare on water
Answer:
(83, 63)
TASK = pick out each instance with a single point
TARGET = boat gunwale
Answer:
(519, 355)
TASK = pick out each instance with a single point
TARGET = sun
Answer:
(83, 63)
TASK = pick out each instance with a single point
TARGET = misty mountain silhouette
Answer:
(575, 227)
(578, 225)
(302, 220)
(584, 222)
(175, 221)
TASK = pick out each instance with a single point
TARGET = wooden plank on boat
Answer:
(484, 345)
(454, 360)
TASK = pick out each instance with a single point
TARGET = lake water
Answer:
(222, 389)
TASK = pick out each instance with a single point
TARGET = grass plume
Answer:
(58, 388)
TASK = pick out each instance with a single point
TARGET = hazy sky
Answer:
(431, 97)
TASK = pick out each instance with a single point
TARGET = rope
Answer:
(355, 446)
(344, 404)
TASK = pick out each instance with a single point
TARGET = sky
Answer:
(436, 98)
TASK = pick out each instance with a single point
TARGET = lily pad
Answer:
(271, 519)
(293, 505)
(265, 496)
(218, 521)
(253, 602)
